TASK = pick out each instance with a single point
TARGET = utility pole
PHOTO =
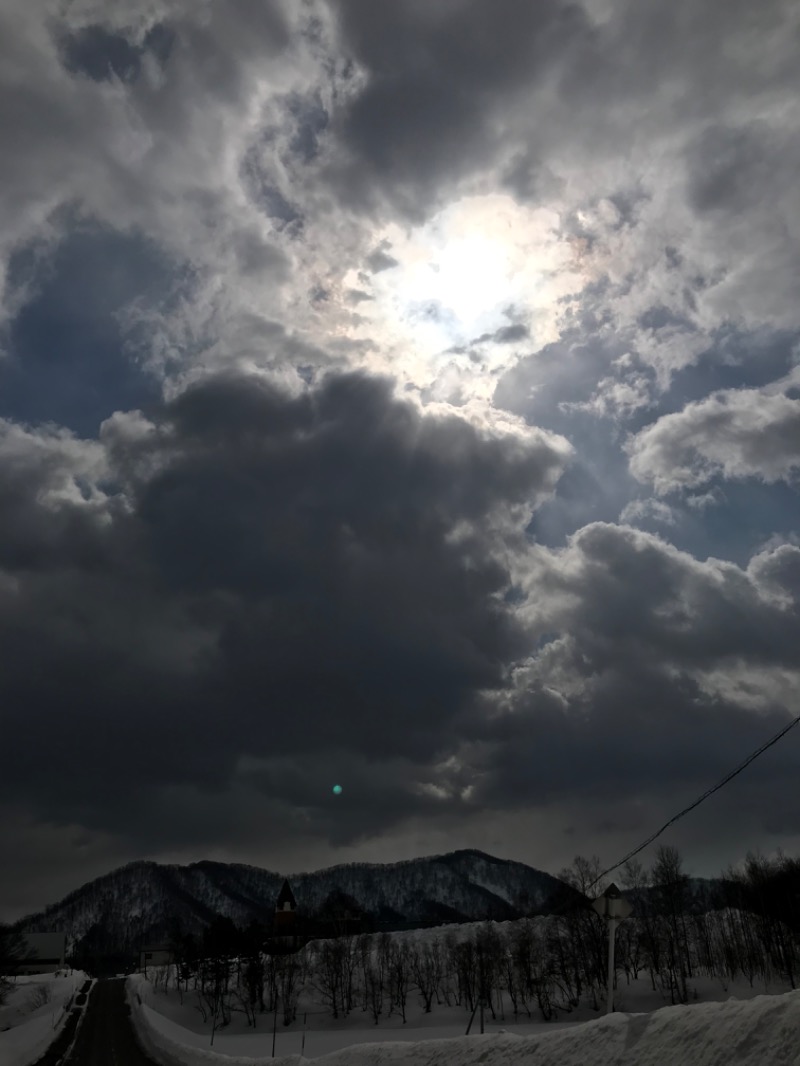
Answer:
(481, 980)
(275, 1021)
(612, 929)
(614, 908)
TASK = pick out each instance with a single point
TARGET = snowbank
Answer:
(32, 1031)
(26, 1043)
(764, 1031)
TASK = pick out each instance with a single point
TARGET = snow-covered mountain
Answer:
(144, 900)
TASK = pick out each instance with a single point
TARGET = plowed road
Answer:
(105, 1037)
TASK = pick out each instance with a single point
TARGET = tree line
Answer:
(747, 925)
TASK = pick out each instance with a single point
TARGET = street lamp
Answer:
(614, 908)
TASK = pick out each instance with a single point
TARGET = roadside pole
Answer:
(612, 928)
(275, 1022)
(614, 908)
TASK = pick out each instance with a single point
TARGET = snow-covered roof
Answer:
(46, 945)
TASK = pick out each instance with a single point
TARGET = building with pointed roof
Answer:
(286, 901)
(287, 936)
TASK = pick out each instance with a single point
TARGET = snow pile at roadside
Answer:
(32, 1030)
(26, 1043)
(756, 1032)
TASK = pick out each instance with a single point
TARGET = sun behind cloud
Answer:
(473, 268)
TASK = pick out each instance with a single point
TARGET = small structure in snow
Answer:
(154, 955)
(45, 953)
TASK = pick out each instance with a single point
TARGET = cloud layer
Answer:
(737, 433)
(247, 573)
(398, 394)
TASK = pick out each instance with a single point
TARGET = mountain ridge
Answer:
(144, 900)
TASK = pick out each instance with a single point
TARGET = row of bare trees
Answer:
(13, 952)
(747, 925)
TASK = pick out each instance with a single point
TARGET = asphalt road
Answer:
(106, 1036)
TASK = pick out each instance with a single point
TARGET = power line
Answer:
(697, 802)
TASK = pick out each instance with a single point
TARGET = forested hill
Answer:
(145, 901)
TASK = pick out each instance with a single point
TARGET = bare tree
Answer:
(13, 953)
(490, 948)
(400, 976)
(214, 996)
(426, 965)
(364, 950)
(671, 892)
(772, 888)
(289, 980)
(376, 985)
(464, 961)
(335, 963)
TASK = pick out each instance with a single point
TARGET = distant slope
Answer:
(142, 901)
(470, 884)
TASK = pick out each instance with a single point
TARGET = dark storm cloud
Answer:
(639, 47)
(622, 699)
(627, 759)
(284, 798)
(452, 87)
(735, 168)
(213, 55)
(638, 735)
(269, 576)
(437, 74)
(35, 537)
(641, 597)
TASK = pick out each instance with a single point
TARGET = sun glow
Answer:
(456, 275)
(465, 271)
(431, 315)
(462, 286)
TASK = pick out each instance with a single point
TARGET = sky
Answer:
(403, 396)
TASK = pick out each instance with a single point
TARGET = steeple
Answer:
(286, 900)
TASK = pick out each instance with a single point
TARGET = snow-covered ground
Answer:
(31, 1023)
(754, 1030)
(757, 1032)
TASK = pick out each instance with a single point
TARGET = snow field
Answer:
(33, 1028)
(762, 1031)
